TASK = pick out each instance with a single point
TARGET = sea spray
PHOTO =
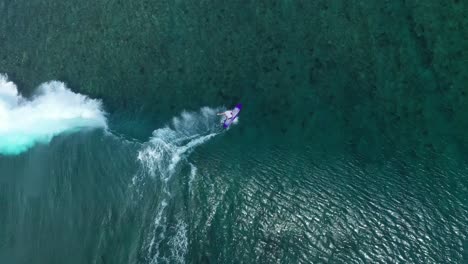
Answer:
(53, 109)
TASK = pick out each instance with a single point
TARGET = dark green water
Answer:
(352, 146)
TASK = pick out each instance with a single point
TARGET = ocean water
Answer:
(351, 146)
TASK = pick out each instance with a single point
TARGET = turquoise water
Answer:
(94, 197)
(351, 146)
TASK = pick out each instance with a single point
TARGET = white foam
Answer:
(161, 158)
(54, 109)
(169, 145)
(193, 173)
(179, 243)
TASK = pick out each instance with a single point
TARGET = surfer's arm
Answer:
(220, 114)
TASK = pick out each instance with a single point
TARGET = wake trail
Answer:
(161, 158)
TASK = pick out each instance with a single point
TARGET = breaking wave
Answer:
(52, 110)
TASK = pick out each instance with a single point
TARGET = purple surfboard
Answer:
(235, 113)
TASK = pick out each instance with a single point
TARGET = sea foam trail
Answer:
(53, 110)
(161, 158)
(168, 145)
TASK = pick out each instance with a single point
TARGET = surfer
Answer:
(228, 114)
(231, 116)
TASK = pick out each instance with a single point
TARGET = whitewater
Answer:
(52, 110)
